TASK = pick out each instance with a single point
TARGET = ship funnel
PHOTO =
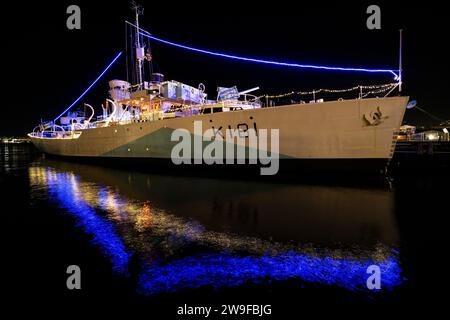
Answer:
(155, 83)
(157, 78)
(119, 90)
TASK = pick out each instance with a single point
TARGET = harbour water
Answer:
(171, 240)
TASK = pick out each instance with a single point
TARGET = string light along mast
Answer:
(140, 56)
(400, 67)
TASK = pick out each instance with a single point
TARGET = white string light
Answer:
(374, 89)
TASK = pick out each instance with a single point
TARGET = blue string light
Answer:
(90, 87)
(285, 64)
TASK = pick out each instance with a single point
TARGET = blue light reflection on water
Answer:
(64, 189)
(225, 270)
(219, 269)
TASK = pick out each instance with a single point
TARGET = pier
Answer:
(421, 155)
(423, 147)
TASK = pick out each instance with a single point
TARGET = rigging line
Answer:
(90, 86)
(285, 64)
(393, 88)
(429, 114)
(126, 50)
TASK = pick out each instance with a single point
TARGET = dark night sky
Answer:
(49, 65)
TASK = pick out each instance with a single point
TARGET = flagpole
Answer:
(400, 62)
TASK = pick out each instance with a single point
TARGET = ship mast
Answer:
(139, 50)
(400, 62)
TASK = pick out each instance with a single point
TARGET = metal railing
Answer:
(425, 136)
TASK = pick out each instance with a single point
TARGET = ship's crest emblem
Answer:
(374, 118)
